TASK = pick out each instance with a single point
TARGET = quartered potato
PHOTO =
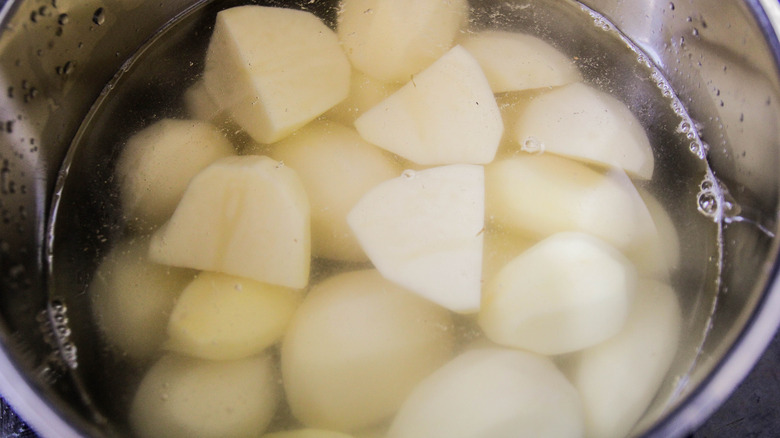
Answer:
(515, 61)
(445, 115)
(224, 317)
(274, 69)
(356, 348)
(246, 216)
(492, 392)
(568, 292)
(151, 173)
(337, 167)
(195, 398)
(423, 231)
(391, 40)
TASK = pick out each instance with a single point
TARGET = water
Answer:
(88, 222)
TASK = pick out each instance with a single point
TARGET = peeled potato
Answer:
(618, 379)
(391, 40)
(515, 61)
(540, 195)
(246, 216)
(152, 175)
(491, 392)
(274, 69)
(445, 115)
(356, 348)
(189, 398)
(307, 433)
(566, 293)
(583, 123)
(656, 257)
(499, 248)
(423, 231)
(133, 297)
(224, 317)
(364, 93)
(337, 167)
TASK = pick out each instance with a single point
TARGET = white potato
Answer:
(446, 115)
(391, 40)
(423, 231)
(131, 298)
(515, 61)
(356, 347)
(223, 317)
(274, 69)
(364, 93)
(618, 379)
(491, 392)
(581, 122)
(151, 173)
(337, 167)
(307, 433)
(566, 293)
(544, 194)
(499, 248)
(656, 257)
(193, 398)
(199, 104)
(246, 216)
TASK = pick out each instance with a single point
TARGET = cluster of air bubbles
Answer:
(714, 200)
(699, 148)
(65, 69)
(56, 332)
(532, 145)
(601, 22)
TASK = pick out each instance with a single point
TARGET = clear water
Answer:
(87, 217)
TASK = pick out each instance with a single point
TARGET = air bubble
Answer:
(63, 19)
(707, 203)
(99, 17)
(409, 174)
(532, 145)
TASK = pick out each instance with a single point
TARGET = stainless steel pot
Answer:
(722, 59)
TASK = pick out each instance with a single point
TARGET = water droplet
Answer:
(99, 17)
(671, 6)
(63, 19)
(695, 32)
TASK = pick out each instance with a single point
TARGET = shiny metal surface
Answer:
(720, 57)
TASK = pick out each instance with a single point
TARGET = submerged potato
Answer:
(152, 176)
(337, 168)
(195, 398)
(132, 298)
(356, 348)
(492, 392)
(224, 317)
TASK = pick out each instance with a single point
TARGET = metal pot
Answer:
(722, 59)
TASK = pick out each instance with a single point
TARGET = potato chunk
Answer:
(446, 115)
(541, 195)
(186, 397)
(515, 61)
(151, 173)
(491, 392)
(618, 379)
(364, 93)
(132, 298)
(337, 167)
(274, 69)
(246, 216)
(423, 231)
(581, 122)
(566, 293)
(356, 348)
(392, 40)
(224, 317)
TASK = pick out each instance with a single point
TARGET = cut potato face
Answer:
(337, 167)
(132, 298)
(445, 115)
(656, 257)
(152, 176)
(423, 231)
(491, 392)
(541, 195)
(356, 348)
(274, 69)
(364, 93)
(223, 317)
(246, 216)
(583, 123)
(618, 378)
(391, 40)
(515, 61)
(185, 397)
(566, 293)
